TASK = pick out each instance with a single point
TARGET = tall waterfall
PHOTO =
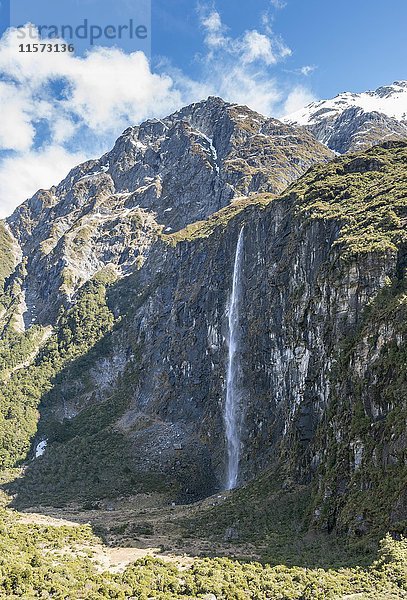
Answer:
(233, 408)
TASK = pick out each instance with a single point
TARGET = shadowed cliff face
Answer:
(298, 302)
(321, 375)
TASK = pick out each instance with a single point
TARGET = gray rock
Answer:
(160, 176)
(231, 534)
(351, 122)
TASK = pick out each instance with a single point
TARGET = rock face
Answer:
(163, 174)
(139, 403)
(314, 392)
(351, 122)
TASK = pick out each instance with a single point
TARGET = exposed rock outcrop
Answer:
(313, 393)
(161, 175)
(131, 258)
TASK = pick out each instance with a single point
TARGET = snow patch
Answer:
(390, 101)
(139, 145)
(213, 151)
(40, 448)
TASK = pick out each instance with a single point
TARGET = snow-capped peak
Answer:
(389, 100)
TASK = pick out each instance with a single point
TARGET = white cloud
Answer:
(20, 176)
(237, 69)
(104, 92)
(110, 88)
(307, 70)
(62, 129)
(215, 30)
(278, 3)
(213, 22)
(252, 46)
(107, 90)
(297, 98)
(257, 46)
(16, 130)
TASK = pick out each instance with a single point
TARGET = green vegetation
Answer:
(41, 561)
(89, 458)
(6, 253)
(276, 524)
(365, 192)
(371, 418)
(86, 458)
(17, 348)
(218, 220)
(97, 465)
(78, 330)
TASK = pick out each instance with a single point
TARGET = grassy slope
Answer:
(218, 220)
(79, 329)
(365, 192)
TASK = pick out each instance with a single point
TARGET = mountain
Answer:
(116, 320)
(351, 122)
(161, 175)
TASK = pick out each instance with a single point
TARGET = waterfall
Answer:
(233, 408)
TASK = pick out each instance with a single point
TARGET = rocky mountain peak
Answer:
(179, 333)
(319, 273)
(159, 177)
(352, 121)
(394, 90)
(212, 118)
(209, 115)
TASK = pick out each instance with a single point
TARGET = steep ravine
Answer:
(145, 408)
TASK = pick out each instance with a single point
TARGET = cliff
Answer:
(131, 385)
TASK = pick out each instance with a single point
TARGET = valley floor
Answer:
(146, 547)
(147, 525)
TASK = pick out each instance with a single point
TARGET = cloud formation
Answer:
(102, 91)
(60, 109)
(253, 46)
(307, 70)
(238, 68)
(296, 99)
(279, 4)
(23, 174)
(76, 106)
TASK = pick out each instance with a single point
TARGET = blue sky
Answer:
(356, 45)
(274, 55)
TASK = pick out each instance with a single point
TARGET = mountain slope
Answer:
(352, 122)
(138, 405)
(161, 175)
